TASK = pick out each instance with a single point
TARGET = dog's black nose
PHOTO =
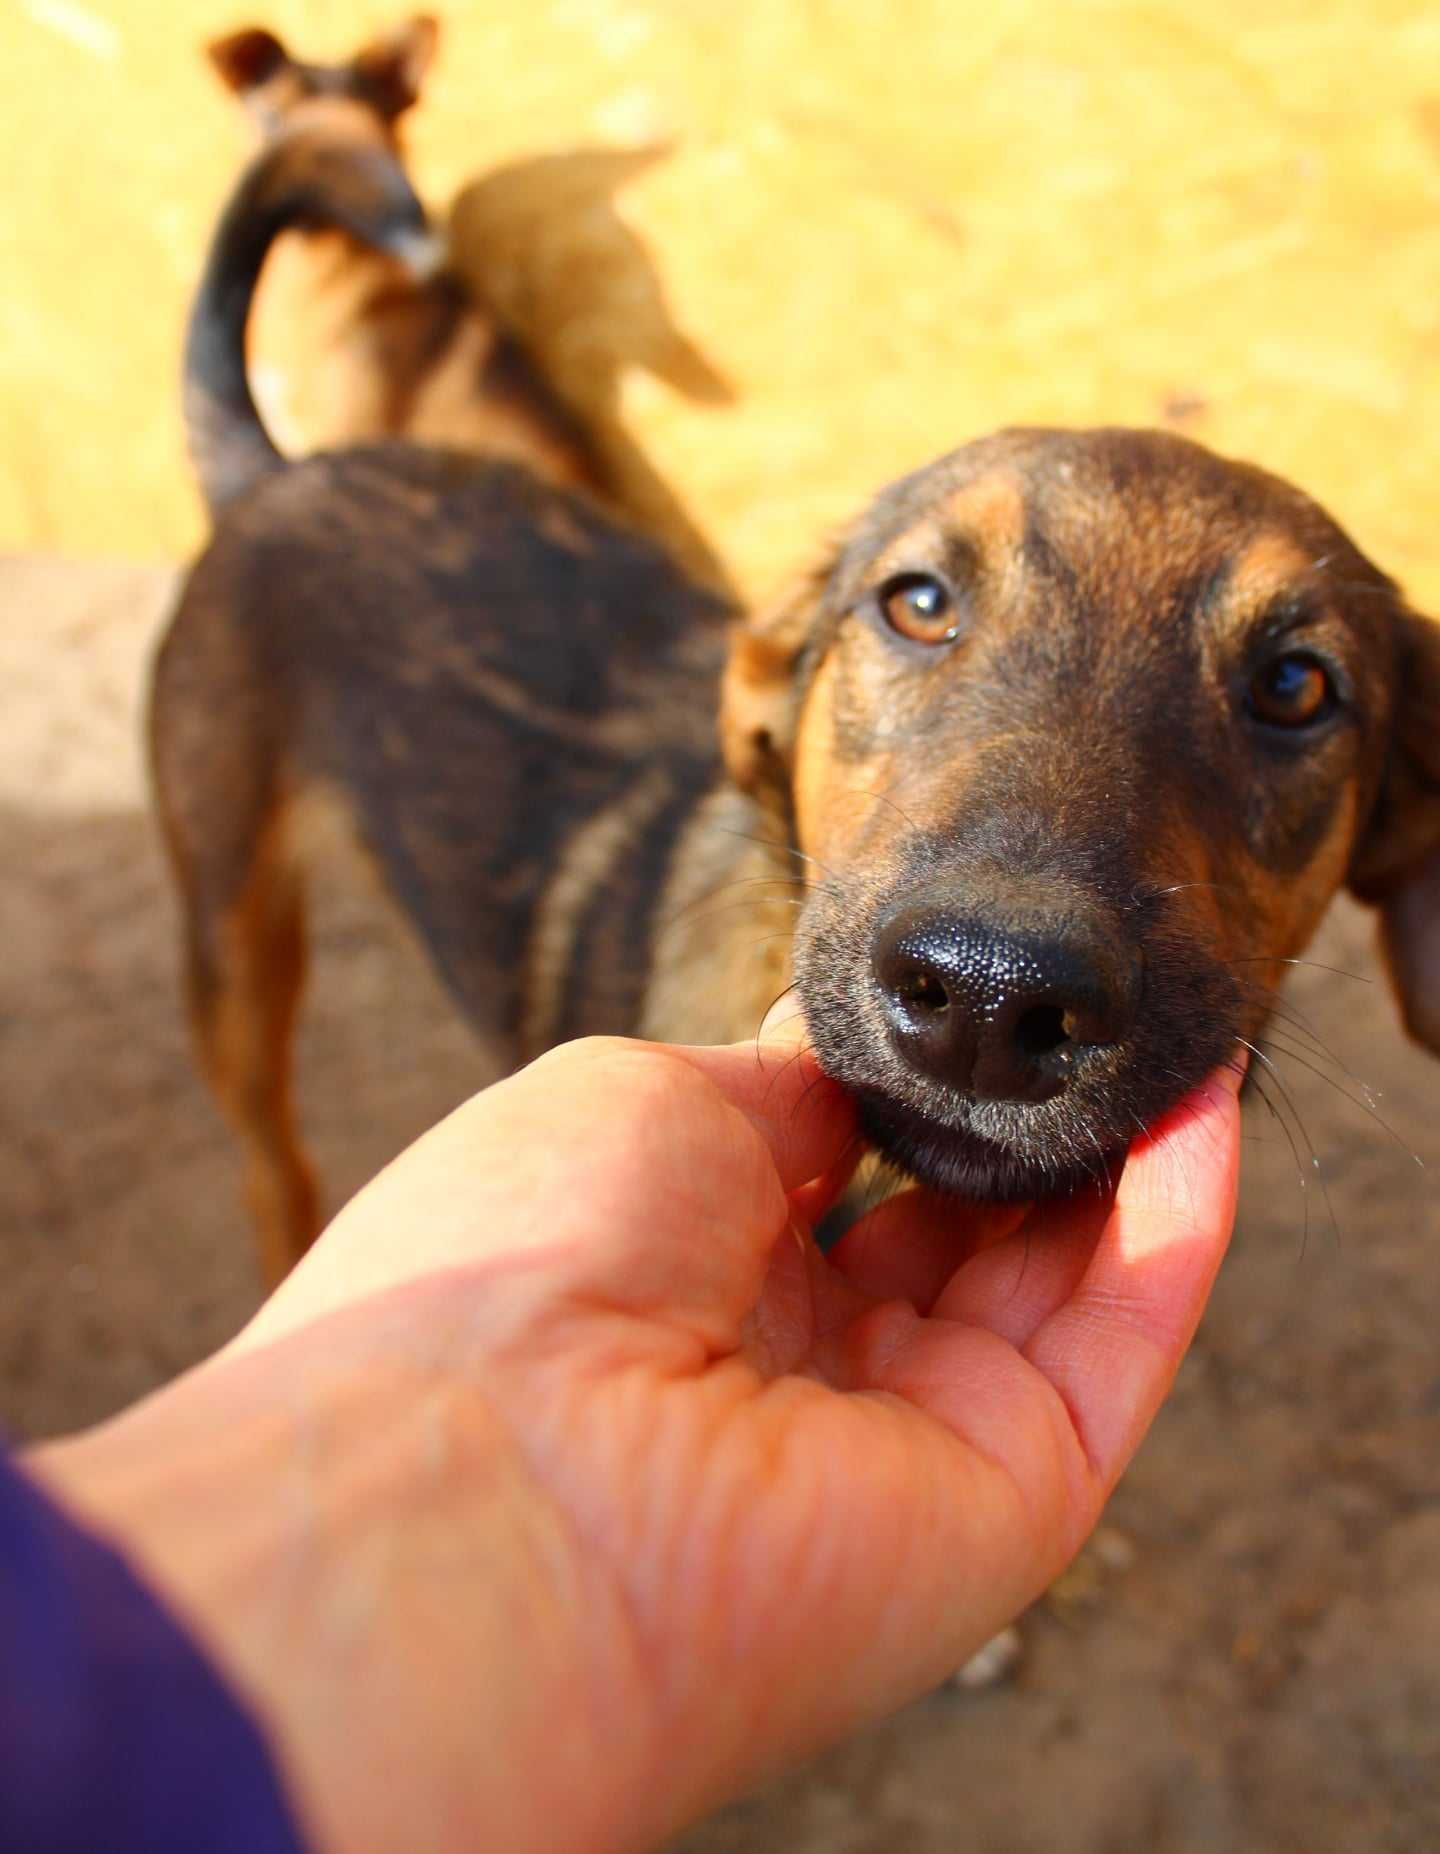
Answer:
(1001, 1013)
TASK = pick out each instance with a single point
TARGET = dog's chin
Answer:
(962, 1163)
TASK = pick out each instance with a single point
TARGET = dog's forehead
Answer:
(1112, 510)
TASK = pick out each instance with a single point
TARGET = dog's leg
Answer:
(246, 968)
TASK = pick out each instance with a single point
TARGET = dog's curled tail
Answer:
(307, 179)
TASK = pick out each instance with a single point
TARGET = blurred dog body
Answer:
(351, 340)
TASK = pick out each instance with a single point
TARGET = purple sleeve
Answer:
(115, 1731)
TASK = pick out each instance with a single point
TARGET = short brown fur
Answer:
(512, 698)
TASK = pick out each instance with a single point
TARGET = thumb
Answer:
(611, 1173)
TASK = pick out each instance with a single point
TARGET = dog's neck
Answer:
(721, 945)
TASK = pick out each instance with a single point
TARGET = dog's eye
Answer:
(920, 607)
(1293, 690)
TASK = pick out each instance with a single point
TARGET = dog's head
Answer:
(1082, 731)
(383, 78)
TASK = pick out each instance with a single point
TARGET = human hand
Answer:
(566, 1488)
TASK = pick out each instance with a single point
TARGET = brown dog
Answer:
(348, 342)
(1030, 790)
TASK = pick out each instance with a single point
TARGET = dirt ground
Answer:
(1249, 1660)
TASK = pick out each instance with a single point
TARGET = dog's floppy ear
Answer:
(1397, 864)
(394, 66)
(758, 698)
(248, 59)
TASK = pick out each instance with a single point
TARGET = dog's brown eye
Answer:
(1293, 690)
(920, 607)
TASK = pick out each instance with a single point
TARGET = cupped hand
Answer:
(605, 1493)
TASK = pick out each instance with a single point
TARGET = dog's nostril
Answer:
(1042, 1030)
(1001, 1012)
(922, 991)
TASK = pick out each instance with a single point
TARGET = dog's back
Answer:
(506, 697)
(484, 668)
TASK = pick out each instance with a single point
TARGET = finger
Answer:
(910, 1247)
(1013, 1455)
(1113, 1347)
(1019, 1282)
(1017, 1285)
(1060, 1417)
(811, 1201)
(803, 1309)
(648, 1179)
(806, 1120)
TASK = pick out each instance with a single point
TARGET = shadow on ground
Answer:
(542, 243)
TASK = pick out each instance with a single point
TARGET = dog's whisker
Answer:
(1365, 1104)
(1313, 1044)
(1360, 978)
(1103, 1175)
(863, 791)
(1261, 1056)
(1362, 589)
(724, 888)
(692, 909)
(783, 992)
(1176, 888)
(775, 843)
(797, 1105)
(785, 1067)
(1019, 1281)
(688, 917)
(1277, 1006)
(1258, 1083)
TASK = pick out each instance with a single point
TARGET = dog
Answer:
(353, 339)
(1030, 789)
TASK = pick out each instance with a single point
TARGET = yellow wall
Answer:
(887, 224)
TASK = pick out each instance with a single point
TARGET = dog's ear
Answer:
(394, 66)
(759, 698)
(246, 60)
(1397, 864)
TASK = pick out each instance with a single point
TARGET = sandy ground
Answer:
(1247, 1663)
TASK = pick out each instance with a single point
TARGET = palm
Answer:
(811, 1485)
(899, 1449)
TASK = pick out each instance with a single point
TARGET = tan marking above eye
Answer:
(1269, 565)
(920, 606)
(992, 510)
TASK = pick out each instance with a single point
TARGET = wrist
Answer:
(351, 1540)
